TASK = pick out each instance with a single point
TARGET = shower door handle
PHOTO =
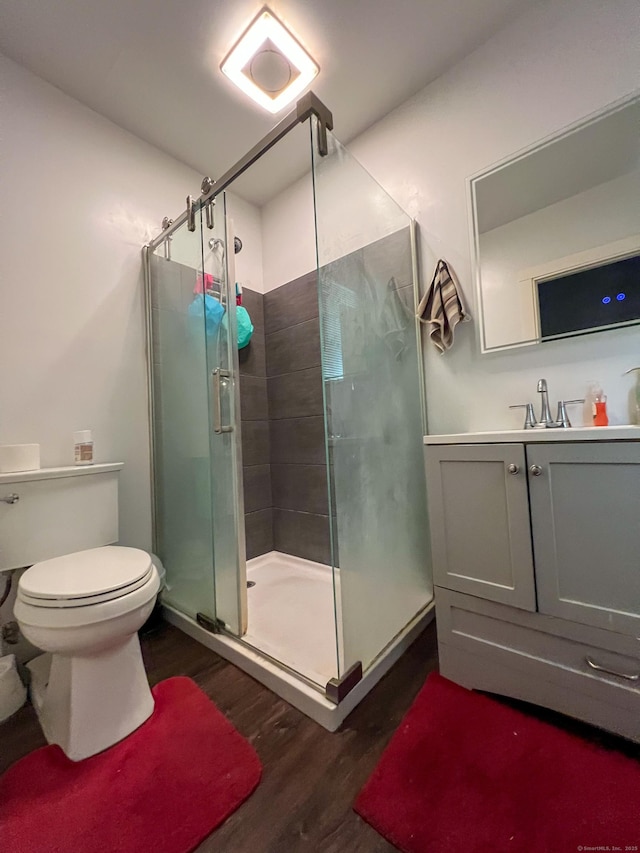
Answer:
(218, 374)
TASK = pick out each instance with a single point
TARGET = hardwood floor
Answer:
(310, 776)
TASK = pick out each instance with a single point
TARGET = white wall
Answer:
(247, 223)
(288, 235)
(80, 197)
(561, 61)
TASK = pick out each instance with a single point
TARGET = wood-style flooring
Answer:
(311, 777)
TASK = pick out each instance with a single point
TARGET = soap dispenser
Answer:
(637, 391)
(597, 399)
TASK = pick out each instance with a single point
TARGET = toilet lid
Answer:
(86, 577)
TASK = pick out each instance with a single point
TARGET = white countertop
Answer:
(627, 432)
(54, 473)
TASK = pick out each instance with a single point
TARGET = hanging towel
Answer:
(442, 307)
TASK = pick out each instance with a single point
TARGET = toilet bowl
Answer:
(85, 610)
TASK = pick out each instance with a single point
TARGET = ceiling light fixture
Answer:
(268, 64)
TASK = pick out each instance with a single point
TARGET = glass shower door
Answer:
(198, 504)
(373, 406)
(219, 284)
(183, 508)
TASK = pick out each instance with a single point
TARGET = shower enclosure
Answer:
(316, 426)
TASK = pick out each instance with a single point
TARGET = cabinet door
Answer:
(585, 512)
(479, 516)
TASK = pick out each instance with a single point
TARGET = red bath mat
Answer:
(161, 790)
(466, 773)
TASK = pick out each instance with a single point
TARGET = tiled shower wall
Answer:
(254, 414)
(285, 480)
(294, 379)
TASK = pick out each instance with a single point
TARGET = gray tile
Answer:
(296, 395)
(298, 440)
(255, 442)
(189, 283)
(178, 342)
(253, 399)
(302, 534)
(300, 487)
(251, 358)
(291, 303)
(258, 528)
(156, 319)
(294, 348)
(254, 303)
(257, 487)
(390, 257)
(165, 284)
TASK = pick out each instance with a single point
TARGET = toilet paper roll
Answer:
(19, 457)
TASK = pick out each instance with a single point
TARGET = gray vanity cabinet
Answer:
(480, 529)
(536, 554)
(585, 519)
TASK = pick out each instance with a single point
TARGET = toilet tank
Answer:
(58, 511)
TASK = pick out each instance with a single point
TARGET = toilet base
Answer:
(87, 703)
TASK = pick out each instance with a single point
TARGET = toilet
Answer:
(85, 609)
(81, 601)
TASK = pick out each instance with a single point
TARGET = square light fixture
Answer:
(269, 64)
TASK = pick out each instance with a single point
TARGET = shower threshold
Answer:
(290, 645)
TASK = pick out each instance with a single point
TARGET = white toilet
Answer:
(83, 607)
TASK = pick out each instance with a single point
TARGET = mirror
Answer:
(556, 234)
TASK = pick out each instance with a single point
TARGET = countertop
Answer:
(627, 432)
(55, 473)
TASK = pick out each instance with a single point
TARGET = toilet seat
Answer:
(85, 600)
(86, 578)
(37, 616)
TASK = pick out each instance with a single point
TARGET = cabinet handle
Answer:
(599, 668)
(512, 468)
(10, 499)
(536, 470)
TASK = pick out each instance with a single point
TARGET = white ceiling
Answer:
(152, 66)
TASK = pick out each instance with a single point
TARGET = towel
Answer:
(442, 307)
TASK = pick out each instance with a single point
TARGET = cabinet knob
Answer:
(10, 499)
(536, 470)
(512, 468)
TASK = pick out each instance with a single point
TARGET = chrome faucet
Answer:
(545, 414)
(546, 421)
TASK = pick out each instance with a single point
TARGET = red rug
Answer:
(161, 790)
(466, 774)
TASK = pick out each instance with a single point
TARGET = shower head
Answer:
(216, 243)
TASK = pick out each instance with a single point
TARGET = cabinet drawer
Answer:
(546, 649)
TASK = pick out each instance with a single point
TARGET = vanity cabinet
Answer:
(480, 529)
(536, 552)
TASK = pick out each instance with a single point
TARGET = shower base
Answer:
(290, 644)
(291, 615)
